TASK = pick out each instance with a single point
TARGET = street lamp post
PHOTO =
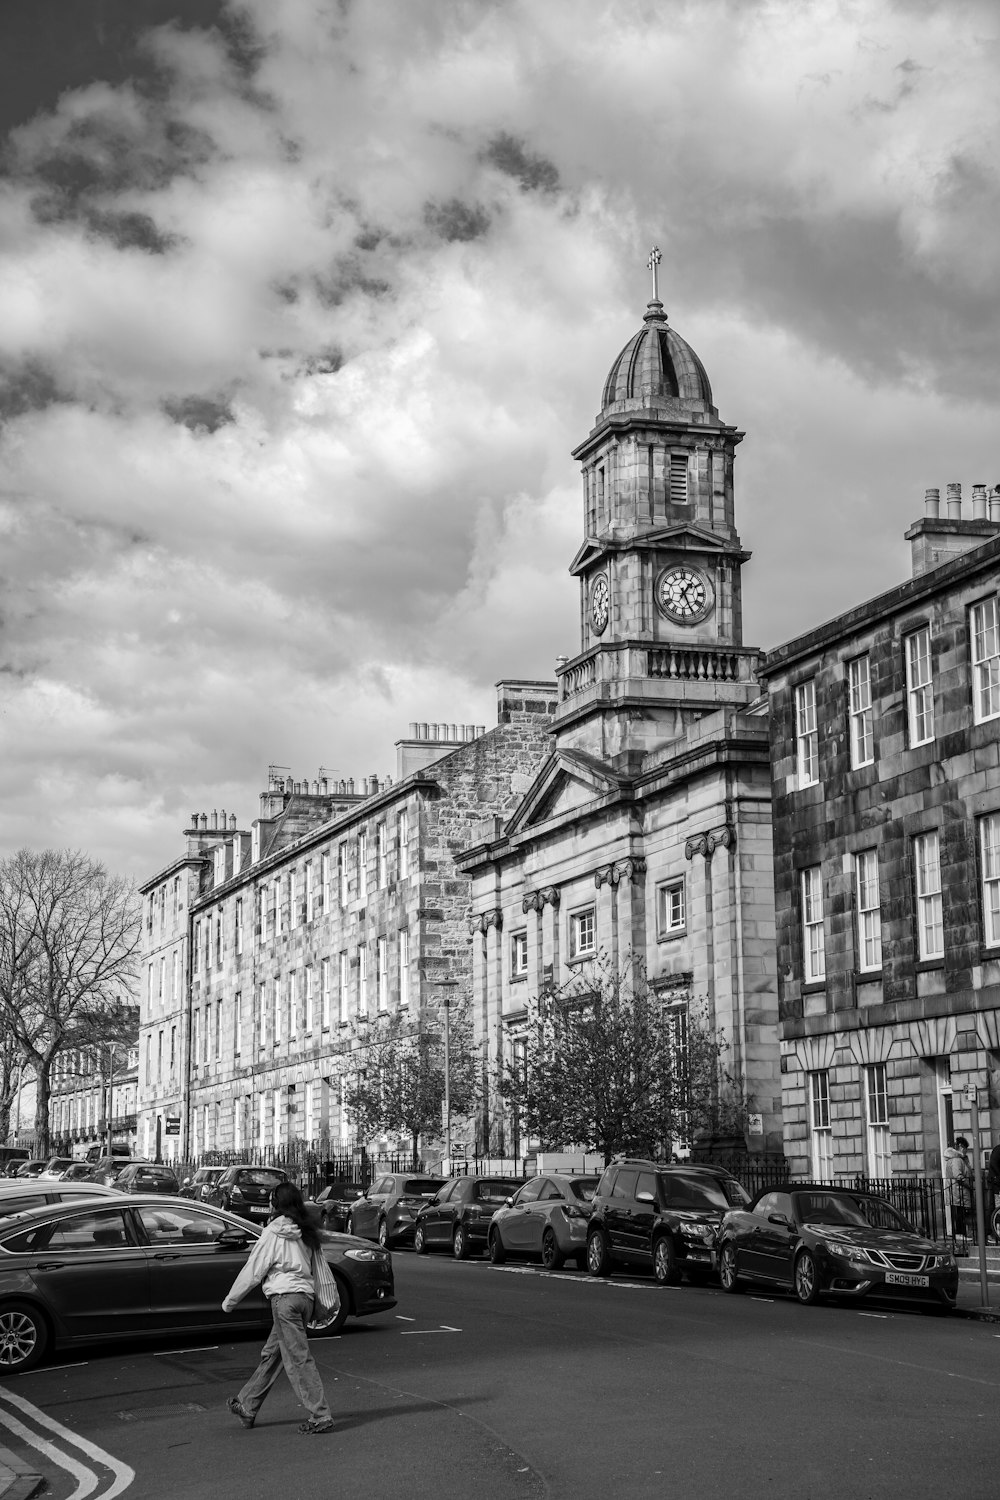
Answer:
(447, 1080)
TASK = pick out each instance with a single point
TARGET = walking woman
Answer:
(282, 1261)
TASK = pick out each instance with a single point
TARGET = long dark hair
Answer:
(286, 1199)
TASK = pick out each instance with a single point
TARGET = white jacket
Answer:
(279, 1260)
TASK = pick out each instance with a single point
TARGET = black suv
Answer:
(648, 1214)
(246, 1190)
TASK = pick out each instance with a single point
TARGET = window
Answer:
(195, 961)
(919, 687)
(310, 997)
(237, 1023)
(219, 945)
(195, 1036)
(404, 968)
(362, 980)
(670, 914)
(382, 973)
(276, 888)
(239, 924)
(381, 873)
(519, 955)
(325, 992)
(278, 1007)
(582, 933)
(678, 478)
(293, 1004)
(342, 991)
(927, 872)
(162, 980)
(869, 911)
(362, 866)
(342, 873)
(173, 1048)
(264, 1018)
(985, 660)
(989, 843)
(293, 900)
(860, 691)
(813, 948)
(806, 740)
(403, 843)
(218, 1029)
(175, 970)
(325, 876)
(821, 1133)
(879, 1155)
(310, 892)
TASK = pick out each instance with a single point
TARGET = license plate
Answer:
(902, 1278)
(260, 1212)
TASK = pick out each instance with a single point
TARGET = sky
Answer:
(304, 304)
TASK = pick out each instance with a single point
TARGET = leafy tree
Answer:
(613, 1065)
(69, 933)
(394, 1080)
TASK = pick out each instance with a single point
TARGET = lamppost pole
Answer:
(447, 1079)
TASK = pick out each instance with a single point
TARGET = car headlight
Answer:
(846, 1252)
(362, 1254)
(698, 1231)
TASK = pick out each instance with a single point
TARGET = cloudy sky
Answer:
(303, 305)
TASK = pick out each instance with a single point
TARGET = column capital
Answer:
(723, 837)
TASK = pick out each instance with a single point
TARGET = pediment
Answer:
(688, 537)
(568, 781)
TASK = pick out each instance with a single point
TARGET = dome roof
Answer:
(657, 362)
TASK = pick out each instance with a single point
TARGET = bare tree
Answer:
(611, 1064)
(69, 933)
(11, 1065)
(395, 1081)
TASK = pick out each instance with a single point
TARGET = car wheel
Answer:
(419, 1243)
(665, 1267)
(552, 1256)
(497, 1253)
(383, 1234)
(598, 1257)
(460, 1243)
(806, 1278)
(728, 1274)
(24, 1337)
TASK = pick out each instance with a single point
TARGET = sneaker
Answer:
(239, 1410)
(315, 1426)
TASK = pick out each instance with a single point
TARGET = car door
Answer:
(749, 1249)
(365, 1212)
(644, 1215)
(433, 1218)
(190, 1272)
(774, 1242)
(619, 1210)
(90, 1269)
(517, 1226)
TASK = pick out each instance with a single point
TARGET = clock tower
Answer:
(659, 569)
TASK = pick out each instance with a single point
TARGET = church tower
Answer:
(659, 569)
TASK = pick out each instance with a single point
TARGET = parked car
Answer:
(332, 1204)
(11, 1158)
(107, 1168)
(460, 1214)
(97, 1153)
(56, 1166)
(546, 1220)
(246, 1190)
(201, 1184)
(33, 1168)
(82, 1272)
(16, 1197)
(387, 1210)
(145, 1177)
(816, 1239)
(79, 1171)
(661, 1217)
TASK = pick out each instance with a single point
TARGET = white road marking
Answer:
(406, 1333)
(47, 1369)
(404, 1319)
(201, 1349)
(447, 1328)
(123, 1475)
(883, 1316)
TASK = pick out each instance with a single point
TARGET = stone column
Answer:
(630, 905)
(606, 881)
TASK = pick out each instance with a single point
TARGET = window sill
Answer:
(674, 933)
(813, 986)
(519, 979)
(581, 958)
(927, 965)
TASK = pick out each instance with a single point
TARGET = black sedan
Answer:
(332, 1205)
(458, 1217)
(81, 1272)
(387, 1210)
(814, 1239)
(141, 1177)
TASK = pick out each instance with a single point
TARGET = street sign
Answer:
(173, 1125)
(755, 1125)
(972, 1093)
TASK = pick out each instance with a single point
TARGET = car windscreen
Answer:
(493, 1190)
(261, 1178)
(584, 1188)
(681, 1191)
(828, 1208)
(15, 1203)
(421, 1187)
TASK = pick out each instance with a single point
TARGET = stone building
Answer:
(885, 734)
(647, 831)
(86, 1084)
(268, 951)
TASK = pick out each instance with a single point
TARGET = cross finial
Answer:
(654, 260)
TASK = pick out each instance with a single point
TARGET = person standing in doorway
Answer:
(958, 1171)
(281, 1260)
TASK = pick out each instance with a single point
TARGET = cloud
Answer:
(300, 319)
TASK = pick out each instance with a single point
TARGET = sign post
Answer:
(972, 1095)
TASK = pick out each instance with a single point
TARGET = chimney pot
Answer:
(203, 820)
(232, 822)
(980, 509)
(414, 728)
(932, 506)
(954, 501)
(194, 820)
(995, 503)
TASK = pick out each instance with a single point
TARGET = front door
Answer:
(190, 1273)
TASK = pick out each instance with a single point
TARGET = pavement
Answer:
(18, 1480)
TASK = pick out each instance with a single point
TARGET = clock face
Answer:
(683, 594)
(600, 605)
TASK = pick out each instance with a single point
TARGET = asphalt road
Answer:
(502, 1382)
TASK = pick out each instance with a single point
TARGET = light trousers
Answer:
(288, 1344)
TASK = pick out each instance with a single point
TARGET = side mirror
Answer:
(645, 1198)
(782, 1220)
(508, 1203)
(232, 1239)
